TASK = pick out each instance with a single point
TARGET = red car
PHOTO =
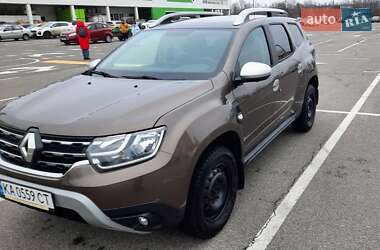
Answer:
(98, 32)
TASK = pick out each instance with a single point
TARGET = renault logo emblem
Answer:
(30, 146)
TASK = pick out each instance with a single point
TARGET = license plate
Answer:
(26, 195)
(63, 38)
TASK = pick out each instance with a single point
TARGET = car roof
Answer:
(220, 22)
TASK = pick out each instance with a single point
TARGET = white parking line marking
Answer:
(332, 111)
(321, 63)
(7, 79)
(323, 42)
(22, 64)
(7, 99)
(346, 112)
(275, 221)
(1, 200)
(371, 71)
(352, 45)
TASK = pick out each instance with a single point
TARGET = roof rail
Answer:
(268, 12)
(180, 16)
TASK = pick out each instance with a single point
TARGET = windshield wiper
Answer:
(144, 77)
(101, 73)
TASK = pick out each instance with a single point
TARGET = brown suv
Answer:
(158, 133)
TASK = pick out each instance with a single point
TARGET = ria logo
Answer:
(30, 146)
(357, 19)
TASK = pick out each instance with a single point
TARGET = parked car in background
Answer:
(13, 31)
(98, 32)
(376, 19)
(148, 24)
(114, 24)
(52, 29)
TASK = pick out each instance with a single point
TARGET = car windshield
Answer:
(188, 54)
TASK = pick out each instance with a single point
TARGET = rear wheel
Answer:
(213, 193)
(108, 39)
(16, 39)
(25, 37)
(307, 117)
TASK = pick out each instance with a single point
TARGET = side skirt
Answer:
(262, 145)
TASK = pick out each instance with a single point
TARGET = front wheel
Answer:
(306, 119)
(47, 35)
(25, 37)
(213, 193)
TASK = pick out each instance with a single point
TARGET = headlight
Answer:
(122, 150)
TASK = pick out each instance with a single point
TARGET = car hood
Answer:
(98, 106)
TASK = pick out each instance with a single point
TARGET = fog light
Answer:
(143, 221)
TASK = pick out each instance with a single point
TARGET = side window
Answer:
(281, 40)
(296, 34)
(255, 49)
(98, 26)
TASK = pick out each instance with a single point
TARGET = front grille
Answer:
(57, 156)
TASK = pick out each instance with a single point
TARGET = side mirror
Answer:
(255, 71)
(94, 63)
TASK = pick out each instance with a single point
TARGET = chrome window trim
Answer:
(23, 170)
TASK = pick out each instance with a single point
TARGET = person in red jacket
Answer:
(83, 34)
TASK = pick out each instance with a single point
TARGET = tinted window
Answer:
(296, 34)
(281, 40)
(63, 24)
(255, 49)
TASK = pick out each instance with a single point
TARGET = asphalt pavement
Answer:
(334, 202)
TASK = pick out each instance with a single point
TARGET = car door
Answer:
(7, 33)
(287, 66)
(93, 32)
(64, 27)
(54, 29)
(17, 32)
(256, 100)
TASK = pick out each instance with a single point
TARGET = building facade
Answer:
(34, 11)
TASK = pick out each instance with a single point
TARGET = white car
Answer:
(13, 31)
(52, 29)
(148, 24)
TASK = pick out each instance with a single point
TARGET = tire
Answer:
(108, 39)
(47, 35)
(306, 119)
(16, 39)
(212, 194)
(25, 37)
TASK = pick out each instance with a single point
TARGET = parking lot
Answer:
(334, 204)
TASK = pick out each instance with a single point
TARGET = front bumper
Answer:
(156, 190)
(79, 203)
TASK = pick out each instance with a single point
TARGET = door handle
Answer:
(300, 69)
(276, 85)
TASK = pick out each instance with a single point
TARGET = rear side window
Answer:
(296, 34)
(281, 41)
(255, 49)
